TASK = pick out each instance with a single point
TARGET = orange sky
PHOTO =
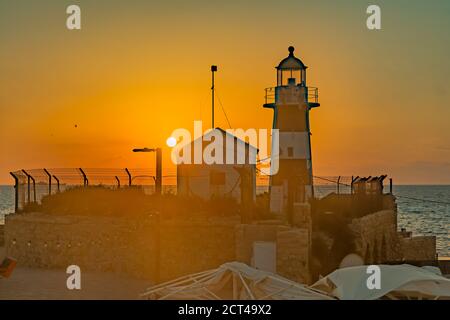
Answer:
(135, 72)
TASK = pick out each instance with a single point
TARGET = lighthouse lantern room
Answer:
(291, 70)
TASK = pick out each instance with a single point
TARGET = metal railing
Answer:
(271, 95)
(313, 94)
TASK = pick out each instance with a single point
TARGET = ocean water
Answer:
(428, 216)
(6, 201)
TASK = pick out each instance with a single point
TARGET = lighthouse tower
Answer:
(292, 185)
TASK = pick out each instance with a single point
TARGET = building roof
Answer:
(291, 62)
(224, 132)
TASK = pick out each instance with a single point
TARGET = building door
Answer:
(265, 256)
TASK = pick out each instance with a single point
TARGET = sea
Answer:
(422, 209)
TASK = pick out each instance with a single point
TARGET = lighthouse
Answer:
(291, 100)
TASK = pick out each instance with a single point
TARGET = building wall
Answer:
(247, 234)
(148, 249)
(378, 241)
(418, 248)
(2, 235)
(189, 247)
(293, 255)
(292, 248)
(194, 179)
(376, 237)
(93, 243)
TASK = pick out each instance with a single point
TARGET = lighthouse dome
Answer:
(291, 62)
(291, 71)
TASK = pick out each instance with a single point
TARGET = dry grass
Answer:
(129, 202)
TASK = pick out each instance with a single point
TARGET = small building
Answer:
(368, 185)
(233, 174)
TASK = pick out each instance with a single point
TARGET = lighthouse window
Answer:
(290, 152)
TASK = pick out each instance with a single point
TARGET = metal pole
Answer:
(213, 69)
(49, 181)
(129, 176)
(34, 189)
(158, 182)
(338, 184)
(28, 185)
(16, 192)
(390, 185)
(351, 186)
(57, 182)
(86, 181)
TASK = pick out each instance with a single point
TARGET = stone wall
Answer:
(247, 234)
(378, 241)
(2, 235)
(189, 247)
(100, 244)
(292, 248)
(146, 248)
(150, 248)
(418, 248)
(293, 255)
(376, 237)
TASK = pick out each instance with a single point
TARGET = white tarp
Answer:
(397, 281)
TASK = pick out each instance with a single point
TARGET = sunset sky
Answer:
(137, 70)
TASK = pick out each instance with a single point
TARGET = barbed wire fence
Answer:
(322, 185)
(34, 184)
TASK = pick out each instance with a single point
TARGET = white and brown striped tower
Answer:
(291, 101)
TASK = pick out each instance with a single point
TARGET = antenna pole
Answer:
(213, 69)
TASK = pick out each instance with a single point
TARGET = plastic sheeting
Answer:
(397, 282)
(233, 281)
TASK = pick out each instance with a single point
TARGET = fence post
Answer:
(158, 181)
(28, 186)
(118, 182)
(129, 176)
(86, 181)
(57, 182)
(30, 177)
(390, 185)
(351, 186)
(49, 181)
(338, 184)
(16, 192)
